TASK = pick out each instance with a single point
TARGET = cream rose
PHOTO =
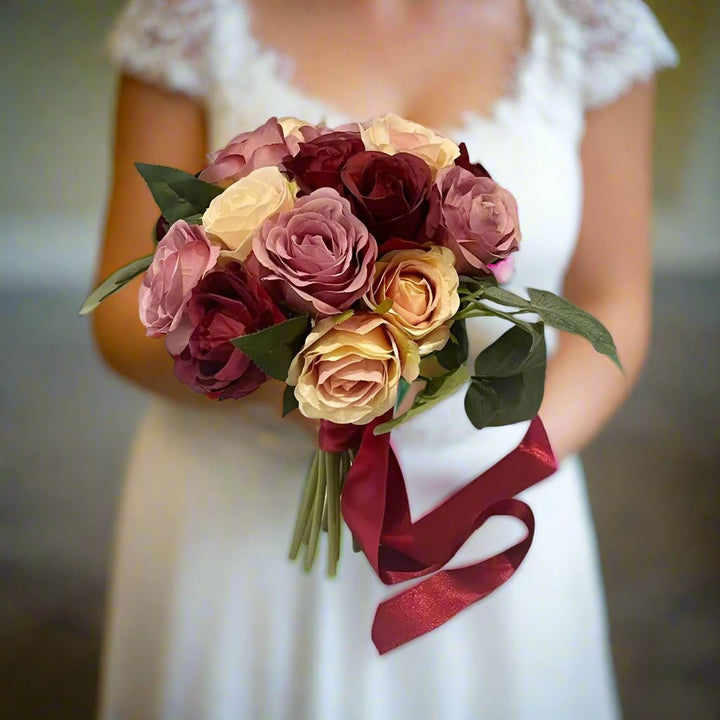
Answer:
(234, 215)
(423, 287)
(392, 134)
(349, 372)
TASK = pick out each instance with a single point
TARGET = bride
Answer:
(207, 619)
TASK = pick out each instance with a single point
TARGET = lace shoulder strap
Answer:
(166, 42)
(621, 42)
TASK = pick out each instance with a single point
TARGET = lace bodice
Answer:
(582, 54)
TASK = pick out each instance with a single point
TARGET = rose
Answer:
(297, 131)
(234, 215)
(503, 270)
(181, 258)
(227, 303)
(349, 372)
(318, 162)
(318, 255)
(423, 287)
(390, 193)
(475, 217)
(392, 134)
(246, 152)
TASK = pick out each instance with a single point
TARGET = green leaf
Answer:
(177, 193)
(563, 315)
(403, 387)
(274, 348)
(290, 402)
(118, 280)
(435, 390)
(515, 392)
(512, 353)
(455, 352)
(504, 297)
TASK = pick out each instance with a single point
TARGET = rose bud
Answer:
(474, 217)
(389, 192)
(393, 134)
(181, 259)
(227, 303)
(318, 162)
(423, 287)
(349, 372)
(262, 147)
(318, 256)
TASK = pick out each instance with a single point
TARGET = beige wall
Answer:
(56, 114)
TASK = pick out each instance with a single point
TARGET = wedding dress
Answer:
(207, 617)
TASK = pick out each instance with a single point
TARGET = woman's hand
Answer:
(610, 273)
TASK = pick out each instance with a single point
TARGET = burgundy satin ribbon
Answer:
(375, 507)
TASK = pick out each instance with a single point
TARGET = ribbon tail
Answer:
(432, 602)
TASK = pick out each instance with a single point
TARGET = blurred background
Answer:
(67, 422)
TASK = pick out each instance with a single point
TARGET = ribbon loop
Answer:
(375, 507)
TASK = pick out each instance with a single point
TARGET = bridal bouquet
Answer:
(344, 263)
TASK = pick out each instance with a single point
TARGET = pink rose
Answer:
(181, 259)
(318, 256)
(474, 217)
(246, 152)
(503, 270)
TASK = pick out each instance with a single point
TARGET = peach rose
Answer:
(348, 372)
(234, 215)
(423, 287)
(392, 134)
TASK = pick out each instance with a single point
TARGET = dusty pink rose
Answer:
(246, 152)
(181, 259)
(474, 217)
(318, 256)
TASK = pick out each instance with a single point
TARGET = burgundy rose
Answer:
(318, 162)
(318, 256)
(246, 152)
(390, 193)
(474, 217)
(463, 161)
(226, 304)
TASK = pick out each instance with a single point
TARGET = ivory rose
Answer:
(392, 134)
(233, 216)
(298, 131)
(349, 372)
(423, 287)
(475, 217)
(318, 256)
(181, 259)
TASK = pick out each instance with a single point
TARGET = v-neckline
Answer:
(515, 86)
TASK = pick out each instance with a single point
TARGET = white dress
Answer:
(207, 618)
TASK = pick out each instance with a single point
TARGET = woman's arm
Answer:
(152, 126)
(610, 273)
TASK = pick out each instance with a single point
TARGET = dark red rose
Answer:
(318, 162)
(463, 161)
(389, 192)
(225, 304)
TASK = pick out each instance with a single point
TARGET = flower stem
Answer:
(304, 511)
(332, 471)
(318, 505)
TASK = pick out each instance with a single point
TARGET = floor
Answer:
(653, 477)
